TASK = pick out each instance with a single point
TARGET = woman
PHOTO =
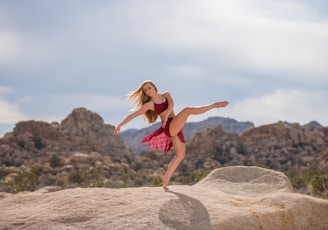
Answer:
(152, 104)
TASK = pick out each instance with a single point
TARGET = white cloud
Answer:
(283, 105)
(97, 101)
(5, 89)
(214, 47)
(192, 73)
(9, 47)
(244, 32)
(10, 113)
(23, 53)
(56, 107)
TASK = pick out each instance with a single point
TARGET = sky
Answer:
(268, 58)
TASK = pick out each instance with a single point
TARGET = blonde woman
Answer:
(152, 104)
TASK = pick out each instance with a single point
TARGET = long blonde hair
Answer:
(139, 98)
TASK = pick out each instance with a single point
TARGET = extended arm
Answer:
(130, 117)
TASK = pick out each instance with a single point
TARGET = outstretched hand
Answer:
(221, 104)
(117, 130)
(224, 103)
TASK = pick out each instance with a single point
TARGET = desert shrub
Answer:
(140, 180)
(23, 181)
(75, 177)
(218, 154)
(298, 182)
(121, 185)
(125, 177)
(320, 185)
(136, 166)
(128, 159)
(149, 154)
(38, 142)
(200, 175)
(156, 181)
(93, 178)
(189, 177)
(314, 181)
(87, 178)
(8, 161)
(54, 181)
(242, 148)
(37, 170)
(61, 183)
(21, 143)
(55, 161)
(183, 168)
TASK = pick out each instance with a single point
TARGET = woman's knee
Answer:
(181, 153)
(187, 110)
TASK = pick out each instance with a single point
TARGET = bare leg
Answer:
(180, 119)
(180, 151)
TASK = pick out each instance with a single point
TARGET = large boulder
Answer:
(250, 198)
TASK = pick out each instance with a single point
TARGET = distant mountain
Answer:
(132, 137)
(313, 124)
(310, 124)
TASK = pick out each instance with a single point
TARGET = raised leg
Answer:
(180, 119)
(180, 153)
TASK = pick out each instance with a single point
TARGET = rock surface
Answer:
(229, 198)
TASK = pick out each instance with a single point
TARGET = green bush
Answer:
(242, 148)
(149, 154)
(23, 181)
(125, 177)
(189, 177)
(156, 181)
(55, 161)
(21, 143)
(320, 185)
(140, 180)
(87, 178)
(75, 177)
(137, 166)
(54, 181)
(315, 181)
(37, 170)
(38, 142)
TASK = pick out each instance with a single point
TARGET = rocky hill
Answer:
(61, 153)
(278, 146)
(227, 199)
(81, 151)
(133, 137)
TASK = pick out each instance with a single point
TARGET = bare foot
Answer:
(165, 182)
(221, 104)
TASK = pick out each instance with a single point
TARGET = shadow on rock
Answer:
(185, 213)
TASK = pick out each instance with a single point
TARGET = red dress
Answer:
(161, 139)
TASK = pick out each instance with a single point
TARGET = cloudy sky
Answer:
(268, 58)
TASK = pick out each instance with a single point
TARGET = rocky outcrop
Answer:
(82, 131)
(86, 130)
(229, 198)
(279, 146)
(82, 143)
